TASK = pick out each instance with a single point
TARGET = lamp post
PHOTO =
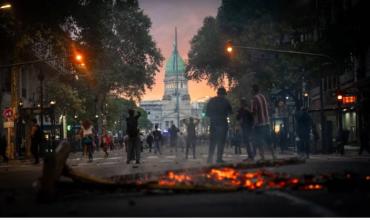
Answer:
(230, 48)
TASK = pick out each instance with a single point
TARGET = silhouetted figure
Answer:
(3, 144)
(236, 141)
(245, 118)
(36, 139)
(157, 137)
(191, 137)
(149, 141)
(304, 126)
(133, 150)
(218, 109)
(342, 140)
(262, 131)
(364, 141)
(173, 136)
(283, 138)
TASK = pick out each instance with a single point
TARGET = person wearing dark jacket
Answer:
(157, 137)
(133, 150)
(218, 109)
(245, 118)
(3, 144)
(304, 126)
(191, 136)
(36, 139)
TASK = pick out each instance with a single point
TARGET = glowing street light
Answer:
(229, 47)
(6, 6)
(78, 57)
(339, 97)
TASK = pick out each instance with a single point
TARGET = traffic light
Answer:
(69, 127)
(203, 114)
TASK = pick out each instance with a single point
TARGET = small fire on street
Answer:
(233, 179)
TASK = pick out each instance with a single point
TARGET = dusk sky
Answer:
(188, 17)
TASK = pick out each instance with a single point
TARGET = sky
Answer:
(187, 16)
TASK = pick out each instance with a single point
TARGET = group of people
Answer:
(253, 122)
(254, 131)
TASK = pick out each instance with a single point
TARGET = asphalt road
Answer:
(18, 196)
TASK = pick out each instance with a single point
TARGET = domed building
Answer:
(176, 100)
(175, 104)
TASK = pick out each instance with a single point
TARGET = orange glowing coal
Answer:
(313, 187)
(225, 173)
(172, 179)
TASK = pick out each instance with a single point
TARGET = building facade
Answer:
(175, 104)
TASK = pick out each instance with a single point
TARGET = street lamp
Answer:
(229, 47)
(6, 6)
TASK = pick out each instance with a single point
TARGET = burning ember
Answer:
(233, 178)
(172, 179)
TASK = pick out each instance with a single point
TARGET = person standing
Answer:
(173, 136)
(262, 131)
(149, 141)
(304, 126)
(236, 140)
(245, 118)
(157, 137)
(87, 135)
(218, 108)
(191, 137)
(36, 139)
(3, 144)
(133, 150)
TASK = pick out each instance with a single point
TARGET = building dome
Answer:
(171, 64)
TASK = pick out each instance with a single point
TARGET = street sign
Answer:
(9, 124)
(8, 113)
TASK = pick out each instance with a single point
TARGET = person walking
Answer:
(87, 134)
(304, 126)
(3, 144)
(173, 136)
(105, 142)
(36, 139)
(157, 137)
(191, 136)
(245, 118)
(262, 131)
(149, 141)
(218, 108)
(133, 150)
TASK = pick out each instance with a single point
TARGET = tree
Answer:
(124, 56)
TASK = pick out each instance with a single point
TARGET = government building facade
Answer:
(175, 103)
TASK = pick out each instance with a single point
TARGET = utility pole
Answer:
(177, 81)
